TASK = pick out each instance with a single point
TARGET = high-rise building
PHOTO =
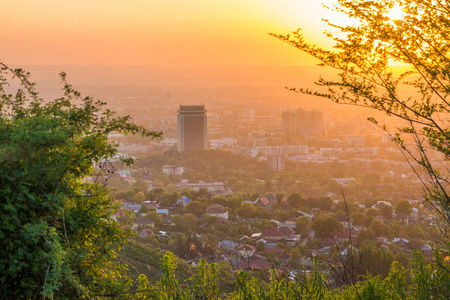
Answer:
(304, 122)
(276, 162)
(191, 128)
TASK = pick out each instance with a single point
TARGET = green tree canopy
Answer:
(57, 238)
(195, 207)
(302, 226)
(294, 199)
(189, 222)
(247, 210)
(326, 225)
(403, 207)
(155, 217)
(386, 211)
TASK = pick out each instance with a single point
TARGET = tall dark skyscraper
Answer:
(191, 128)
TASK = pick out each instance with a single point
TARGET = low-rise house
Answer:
(142, 222)
(227, 244)
(217, 210)
(256, 257)
(129, 179)
(274, 235)
(183, 201)
(195, 261)
(264, 202)
(145, 232)
(151, 205)
(272, 198)
(343, 236)
(291, 222)
(133, 207)
(279, 251)
(400, 241)
(218, 187)
(243, 239)
(382, 203)
(256, 236)
(124, 173)
(304, 214)
(253, 265)
(345, 221)
(426, 249)
(383, 240)
(288, 223)
(173, 170)
(246, 250)
(287, 231)
(402, 218)
(321, 251)
(342, 181)
(162, 211)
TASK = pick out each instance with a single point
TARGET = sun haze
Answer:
(152, 32)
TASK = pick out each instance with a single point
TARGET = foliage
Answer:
(364, 55)
(375, 260)
(403, 207)
(57, 238)
(294, 199)
(302, 226)
(195, 207)
(204, 283)
(247, 210)
(189, 222)
(324, 226)
(155, 217)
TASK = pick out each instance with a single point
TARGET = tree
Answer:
(366, 235)
(379, 228)
(247, 210)
(371, 212)
(294, 199)
(326, 225)
(302, 226)
(154, 217)
(419, 97)
(177, 221)
(403, 207)
(57, 238)
(358, 219)
(195, 207)
(260, 246)
(375, 260)
(139, 197)
(189, 222)
(280, 197)
(325, 203)
(386, 211)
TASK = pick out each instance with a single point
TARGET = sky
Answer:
(158, 32)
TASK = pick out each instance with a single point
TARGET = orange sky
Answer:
(156, 32)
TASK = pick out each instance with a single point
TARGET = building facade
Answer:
(304, 122)
(191, 128)
(276, 162)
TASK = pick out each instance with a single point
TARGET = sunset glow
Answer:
(396, 13)
(140, 32)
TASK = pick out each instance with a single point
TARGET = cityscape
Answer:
(212, 150)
